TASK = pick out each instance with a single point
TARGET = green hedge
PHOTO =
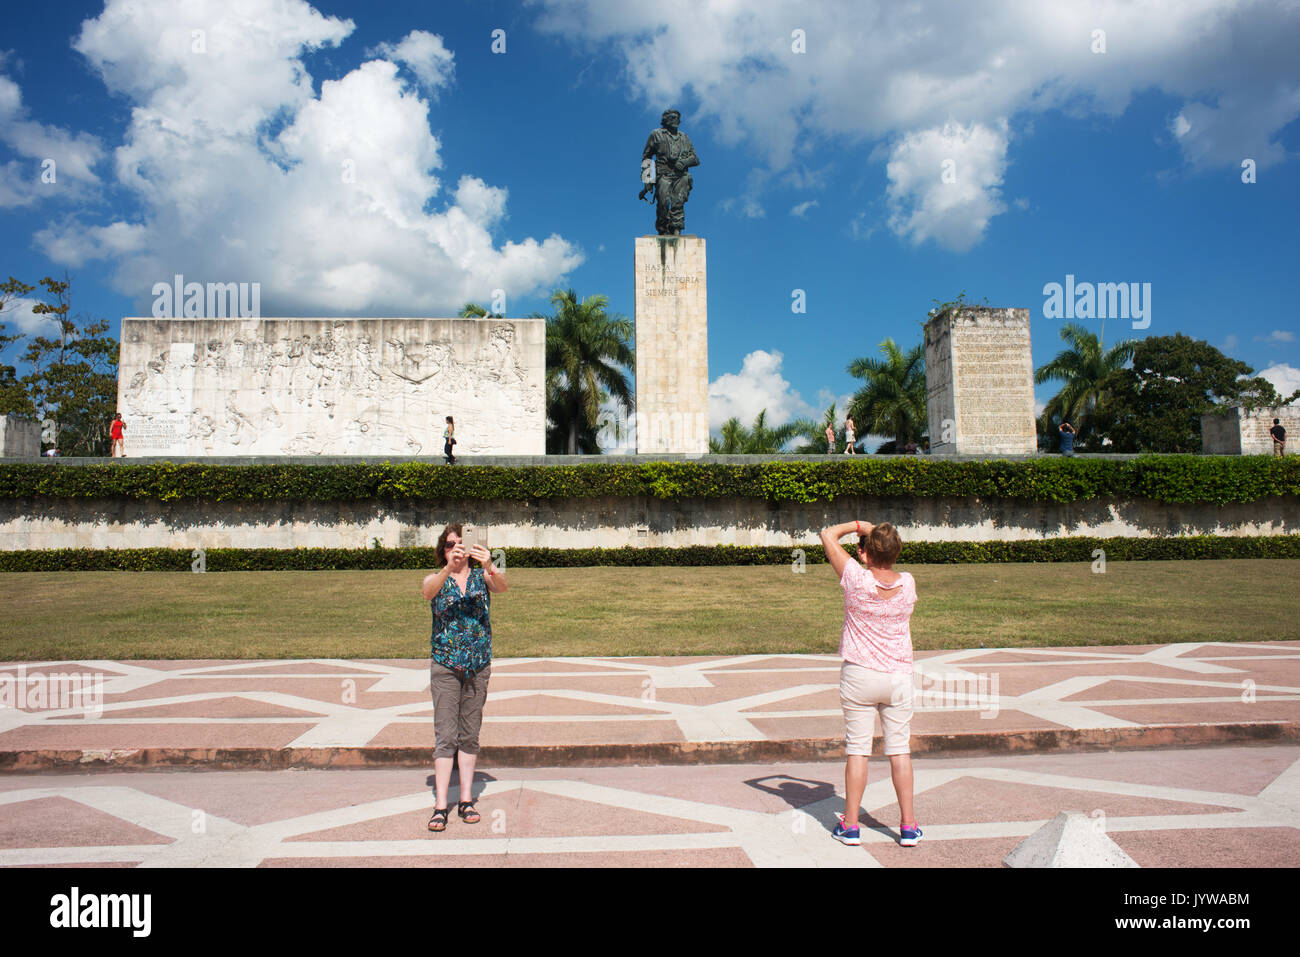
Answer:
(1163, 478)
(914, 553)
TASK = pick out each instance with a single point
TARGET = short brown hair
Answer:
(881, 544)
(441, 557)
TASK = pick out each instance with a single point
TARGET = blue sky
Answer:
(910, 152)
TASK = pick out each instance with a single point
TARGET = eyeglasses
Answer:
(451, 543)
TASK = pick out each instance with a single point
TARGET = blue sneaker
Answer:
(847, 835)
(911, 836)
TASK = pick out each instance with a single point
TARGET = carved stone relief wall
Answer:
(332, 386)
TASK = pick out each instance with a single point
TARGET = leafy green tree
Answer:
(73, 378)
(1082, 368)
(588, 351)
(892, 402)
(1156, 406)
(472, 310)
(760, 439)
(13, 396)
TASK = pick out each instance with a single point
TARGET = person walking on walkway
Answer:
(850, 437)
(460, 664)
(448, 440)
(876, 674)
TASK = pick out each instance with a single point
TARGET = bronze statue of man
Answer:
(673, 156)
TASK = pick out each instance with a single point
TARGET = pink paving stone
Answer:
(730, 687)
(781, 661)
(1020, 679)
(305, 667)
(817, 701)
(30, 670)
(1214, 847)
(973, 800)
(78, 866)
(260, 797)
(1226, 713)
(1045, 656)
(968, 852)
(695, 858)
(557, 703)
(180, 664)
(508, 733)
(551, 665)
(1278, 672)
(63, 822)
(1119, 689)
(522, 813)
(1230, 649)
(628, 685)
(99, 734)
(414, 664)
(317, 689)
(820, 726)
(232, 707)
(952, 722)
(1245, 770)
(675, 661)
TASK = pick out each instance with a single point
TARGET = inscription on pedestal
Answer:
(979, 382)
(672, 371)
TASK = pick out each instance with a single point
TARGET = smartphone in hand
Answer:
(475, 535)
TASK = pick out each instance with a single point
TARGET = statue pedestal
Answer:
(979, 379)
(672, 346)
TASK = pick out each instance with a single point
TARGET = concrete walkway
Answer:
(559, 712)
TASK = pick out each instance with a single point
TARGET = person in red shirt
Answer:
(119, 443)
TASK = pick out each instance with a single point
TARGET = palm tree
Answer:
(1081, 367)
(892, 402)
(759, 440)
(816, 444)
(472, 310)
(587, 352)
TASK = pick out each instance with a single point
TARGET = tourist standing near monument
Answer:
(448, 440)
(876, 674)
(1279, 437)
(850, 437)
(1067, 438)
(830, 439)
(460, 664)
(115, 433)
(673, 157)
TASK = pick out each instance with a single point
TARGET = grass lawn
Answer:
(635, 611)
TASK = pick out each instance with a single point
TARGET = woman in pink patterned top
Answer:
(876, 645)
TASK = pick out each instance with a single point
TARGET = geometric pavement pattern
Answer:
(548, 701)
(1182, 808)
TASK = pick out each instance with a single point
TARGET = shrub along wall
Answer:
(1171, 479)
(315, 559)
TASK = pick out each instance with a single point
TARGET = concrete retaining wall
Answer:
(606, 522)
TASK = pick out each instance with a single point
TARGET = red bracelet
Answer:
(856, 530)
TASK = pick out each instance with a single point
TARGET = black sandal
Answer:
(439, 820)
(465, 809)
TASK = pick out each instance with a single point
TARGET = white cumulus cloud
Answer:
(759, 385)
(1285, 378)
(332, 201)
(899, 74)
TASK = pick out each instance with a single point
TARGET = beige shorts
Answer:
(863, 692)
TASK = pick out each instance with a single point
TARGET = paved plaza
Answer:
(1186, 755)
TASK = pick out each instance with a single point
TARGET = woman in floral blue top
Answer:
(460, 663)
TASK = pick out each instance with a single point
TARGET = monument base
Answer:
(672, 345)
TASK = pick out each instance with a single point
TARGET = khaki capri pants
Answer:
(863, 692)
(457, 709)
